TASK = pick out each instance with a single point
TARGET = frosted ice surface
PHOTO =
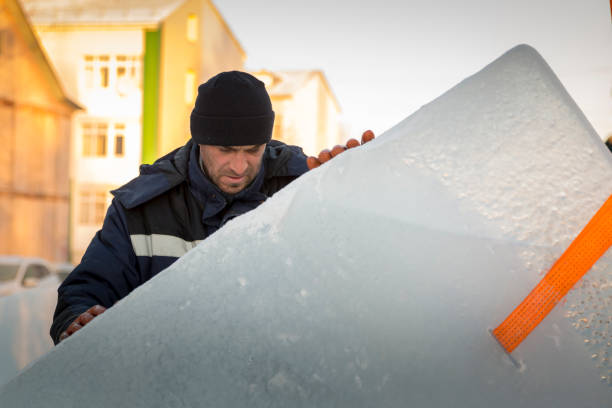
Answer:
(25, 318)
(373, 280)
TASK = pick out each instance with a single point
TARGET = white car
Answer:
(18, 273)
(62, 270)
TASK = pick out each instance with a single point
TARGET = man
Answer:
(229, 167)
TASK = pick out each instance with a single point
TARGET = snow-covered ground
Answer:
(374, 279)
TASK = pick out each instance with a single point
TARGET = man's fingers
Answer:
(324, 156)
(88, 316)
(85, 318)
(96, 310)
(367, 136)
(75, 326)
(337, 150)
(352, 143)
(312, 162)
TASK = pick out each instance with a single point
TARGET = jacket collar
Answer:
(167, 172)
(210, 195)
(176, 167)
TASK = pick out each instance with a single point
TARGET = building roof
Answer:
(109, 12)
(69, 12)
(25, 30)
(286, 83)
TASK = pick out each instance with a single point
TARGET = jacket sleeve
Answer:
(108, 272)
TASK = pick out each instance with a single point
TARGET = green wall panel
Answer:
(150, 109)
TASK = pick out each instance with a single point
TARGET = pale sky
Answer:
(384, 59)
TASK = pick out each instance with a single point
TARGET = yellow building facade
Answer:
(196, 43)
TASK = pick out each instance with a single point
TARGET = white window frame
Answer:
(190, 87)
(119, 135)
(94, 139)
(92, 205)
(192, 28)
(102, 72)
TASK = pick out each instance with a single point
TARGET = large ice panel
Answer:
(25, 318)
(373, 280)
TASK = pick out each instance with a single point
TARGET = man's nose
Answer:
(238, 164)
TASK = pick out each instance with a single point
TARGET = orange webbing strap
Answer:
(592, 242)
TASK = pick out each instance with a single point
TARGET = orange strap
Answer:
(592, 242)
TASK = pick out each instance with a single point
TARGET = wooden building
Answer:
(35, 117)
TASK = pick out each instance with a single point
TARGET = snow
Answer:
(374, 279)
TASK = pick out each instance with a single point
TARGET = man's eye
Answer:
(254, 150)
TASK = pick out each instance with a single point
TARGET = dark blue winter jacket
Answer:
(159, 216)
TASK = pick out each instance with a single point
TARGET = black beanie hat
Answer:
(232, 109)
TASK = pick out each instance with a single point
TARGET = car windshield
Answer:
(63, 274)
(8, 272)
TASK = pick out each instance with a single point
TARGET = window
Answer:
(192, 28)
(104, 70)
(134, 67)
(190, 87)
(119, 139)
(8, 272)
(126, 73)
(89, 71)
(94, 139)
(120, 72)
(96, 135)
(121, 67)
(34, 274)
(92, 207)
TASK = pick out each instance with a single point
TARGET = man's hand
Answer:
(82, 320)
(327, 154)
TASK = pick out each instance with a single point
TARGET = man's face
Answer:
(232, 168)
